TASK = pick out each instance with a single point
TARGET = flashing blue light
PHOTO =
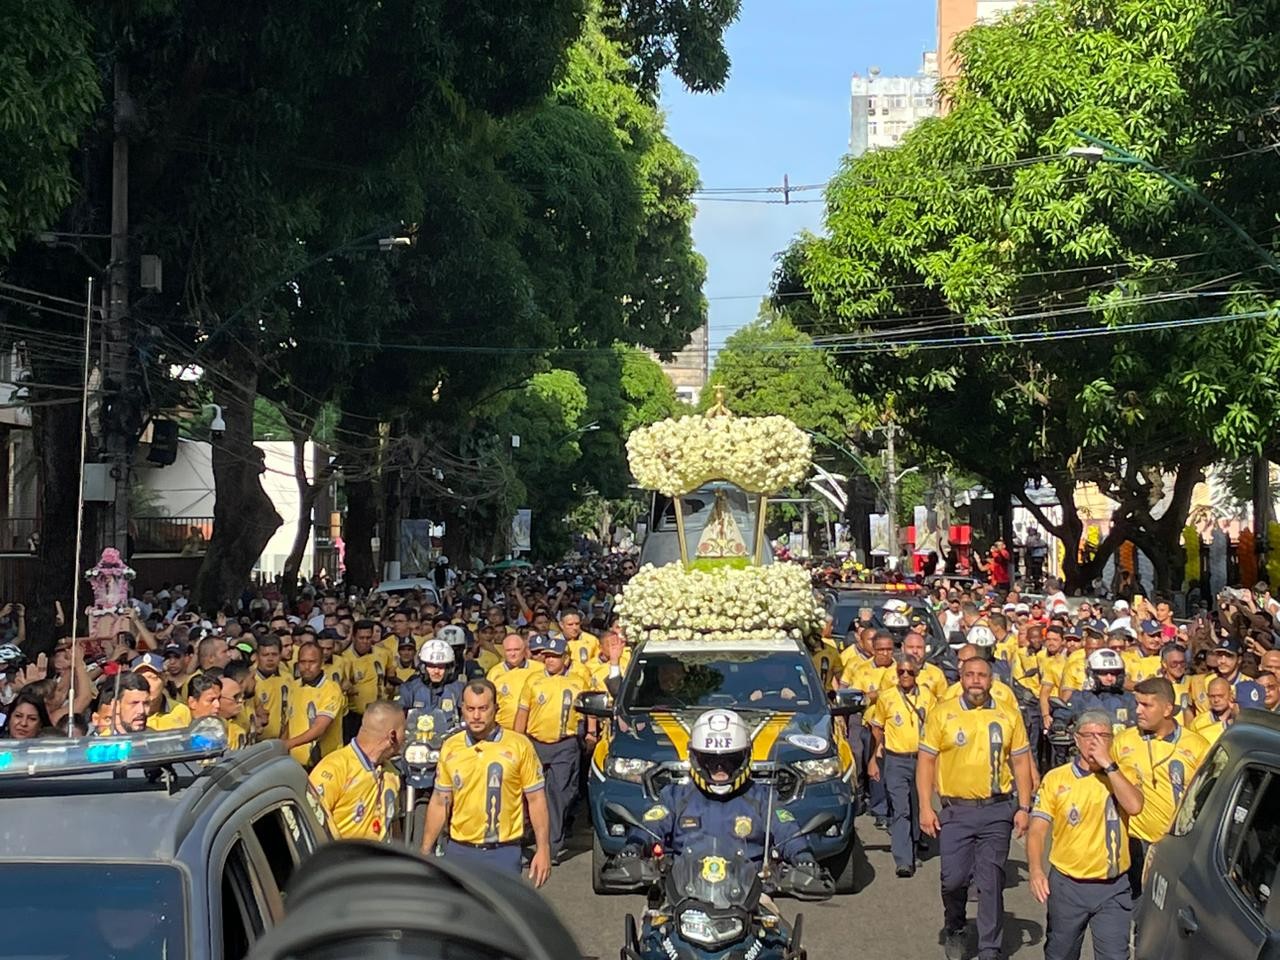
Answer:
(6, 758)
(112, 751)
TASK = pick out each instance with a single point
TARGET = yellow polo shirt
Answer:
(510, 682)
(1090, 832)
(901, 716)
(1162, 768)
(973, 747)
(307, 703)
(487, 781)
(270, 694)
(550, 702)
(358, 795)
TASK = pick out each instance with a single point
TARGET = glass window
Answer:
(279, 833)
(871, 105)
(746, 681)
(1253, 837)
(872, 127)
(1201, 787)
(242, 919)
(92, 910)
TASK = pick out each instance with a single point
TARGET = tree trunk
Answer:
(308, 493)
(55, 434)
(1076, 575)
(244, 518)
(357, 532)
(1161, 540)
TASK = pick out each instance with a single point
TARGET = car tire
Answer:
(597, 866)
(843, 868)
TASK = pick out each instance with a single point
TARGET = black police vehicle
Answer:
(149, 845)
(1209, 886)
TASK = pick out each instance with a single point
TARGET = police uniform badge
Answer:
(742, 827)
(960, 738)
(1123, 715)
(897, 719)
(446, 705)
(714, 869)
(457, 781)
(1073, 816)
(542, 698)
(426, 724)
(655, 813)
(358, 815)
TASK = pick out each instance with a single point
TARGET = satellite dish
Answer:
(874, 71)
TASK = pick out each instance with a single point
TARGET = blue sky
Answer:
(785, 110)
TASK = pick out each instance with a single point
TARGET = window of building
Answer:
(872, 126)
(899, 102)
(871, 105)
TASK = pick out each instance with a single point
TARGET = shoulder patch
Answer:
(655, 813)
(785, 816)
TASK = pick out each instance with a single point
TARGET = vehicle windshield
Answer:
(749, 680)
(714, 870)
(87, 910)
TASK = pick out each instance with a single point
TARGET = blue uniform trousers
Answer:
(1034, 723)
(1102, 906)
(898, 774)
(560, 771)
(974, 843)
(502, 857)
(877, 798)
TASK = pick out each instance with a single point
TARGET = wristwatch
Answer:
(1026, 809)
(1111, 768)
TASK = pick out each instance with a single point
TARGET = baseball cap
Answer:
(1021, 608)
(1120, 605)
(1076, 633)
(248, 648)
(175, 650)
(147, 661)
(1150, 627)
(1228, 645)
(545, 643)
(404, 642)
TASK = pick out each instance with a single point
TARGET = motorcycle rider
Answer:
(721, 800)
(1104, 691)
(436, 687)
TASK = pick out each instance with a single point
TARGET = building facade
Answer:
(957, 16)
(688, 370)
(882, 109)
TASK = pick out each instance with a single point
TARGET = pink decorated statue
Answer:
(110, 581)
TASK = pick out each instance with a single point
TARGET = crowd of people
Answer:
(1076, 723)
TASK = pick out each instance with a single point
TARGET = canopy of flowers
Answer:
(755, 603)
(758, 454)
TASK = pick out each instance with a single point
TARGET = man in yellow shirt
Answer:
(312, 728)
(1222, 711)
(231, 702)
(582, 646)
(931, 678)
(896, 720)
(368, 665)
(1161, 757)
(356, 783)
(548, 717)
(1074, 671)
(1085, 807)
(975, 755)
(509, 677)
(609, 664)
(1000, 691)
(870, 676)
(1143, 661)
(271, 688)
(203, 693)
(486, 777)
(1173, 667)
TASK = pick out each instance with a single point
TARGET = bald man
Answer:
(356, 787)
(1222, 711)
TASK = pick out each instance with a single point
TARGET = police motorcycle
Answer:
(426, 728)
(708, 902)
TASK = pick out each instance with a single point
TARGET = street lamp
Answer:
(1099, 151)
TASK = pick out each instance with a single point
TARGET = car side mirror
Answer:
(847, 703)
(595, 705)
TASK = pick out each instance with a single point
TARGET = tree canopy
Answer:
(1038, 315)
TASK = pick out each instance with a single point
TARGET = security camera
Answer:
(217, 426)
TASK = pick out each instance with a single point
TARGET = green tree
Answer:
(978, 226)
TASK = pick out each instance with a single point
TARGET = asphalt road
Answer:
(889, 919)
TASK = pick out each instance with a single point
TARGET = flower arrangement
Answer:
(758, 454)
(755, 603)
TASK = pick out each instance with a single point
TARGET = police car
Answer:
(798, 738)
(1209, 886)
(148, 845)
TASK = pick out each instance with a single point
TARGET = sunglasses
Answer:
(906, 673)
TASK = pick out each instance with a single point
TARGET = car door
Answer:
(1223, 905)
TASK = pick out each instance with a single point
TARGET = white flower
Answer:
(758, 454)
(676, 603)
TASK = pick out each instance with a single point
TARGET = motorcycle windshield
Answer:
(714, 870)
(430, 727)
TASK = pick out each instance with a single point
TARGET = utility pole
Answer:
(117, 418)
(891, 487)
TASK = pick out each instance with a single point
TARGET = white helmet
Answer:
(453, 635)
(980, 635)
(436, 653)
(894, 614)
(719, 742)
(1105, 661)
